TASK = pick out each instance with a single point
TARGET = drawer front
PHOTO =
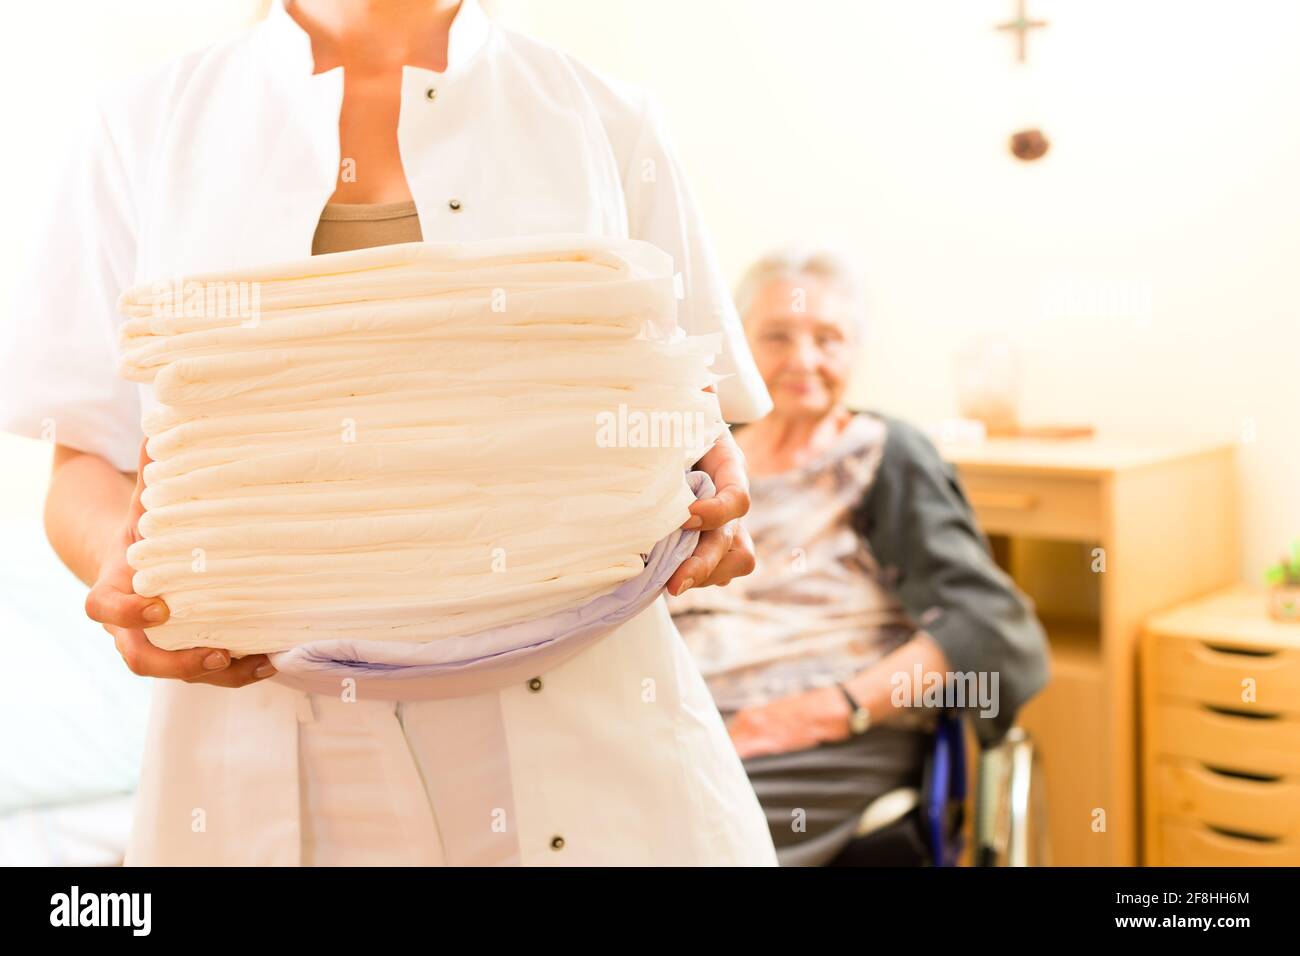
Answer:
(1034, 506)
(1253, 745)
(1192, 793)
(1198, 672)
(1185, 844)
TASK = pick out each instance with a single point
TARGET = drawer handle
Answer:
(1241, 834)
(1244, 714)
(1240, 651)
(1003, 500)
(1242, 775)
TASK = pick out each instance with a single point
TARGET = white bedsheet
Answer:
(411, 442)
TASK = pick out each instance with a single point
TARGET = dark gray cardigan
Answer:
(919, 526)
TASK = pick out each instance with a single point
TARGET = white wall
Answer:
(51, 56)
(1148, 268)
(880, 126)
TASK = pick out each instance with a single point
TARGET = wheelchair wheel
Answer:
(1011, 805)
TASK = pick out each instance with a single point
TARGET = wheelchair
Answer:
(1009, 825)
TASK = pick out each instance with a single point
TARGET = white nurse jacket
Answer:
(223, 160)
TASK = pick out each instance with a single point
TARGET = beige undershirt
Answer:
(345, 226)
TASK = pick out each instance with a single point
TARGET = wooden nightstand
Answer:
(1100, 534)
(1221, 735)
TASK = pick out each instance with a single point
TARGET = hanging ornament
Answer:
(1029, 144)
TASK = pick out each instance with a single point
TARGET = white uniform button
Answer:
(535, 684)
(453, 205)
(557, 842)
(431, 93)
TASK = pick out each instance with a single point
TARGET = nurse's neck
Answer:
(369, 37)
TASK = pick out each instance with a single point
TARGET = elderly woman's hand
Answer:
(795, 722)
(112, 601)
(725, 550)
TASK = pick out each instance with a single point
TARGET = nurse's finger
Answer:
(136, 508)
(143, 658)
(737, 562)
(108, 604)
(696, 569)
(112, 598)
(725, 464)
(728, 504)
(246, 670)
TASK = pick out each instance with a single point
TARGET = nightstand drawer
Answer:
(1248, 744)
(1034, 506)
(1188, 844)
(1220, 673)
(1191, 792)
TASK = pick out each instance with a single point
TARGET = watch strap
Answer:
(856, 711)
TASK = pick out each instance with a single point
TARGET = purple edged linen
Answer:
(491, 659)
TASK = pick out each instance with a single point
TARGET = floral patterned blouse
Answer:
(816, 609)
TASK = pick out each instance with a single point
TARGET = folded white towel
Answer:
(411, 442)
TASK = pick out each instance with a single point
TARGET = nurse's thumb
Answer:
(109, 605)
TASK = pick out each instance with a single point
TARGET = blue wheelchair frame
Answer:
(943, 789)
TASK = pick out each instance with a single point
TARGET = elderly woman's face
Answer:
(801, 332)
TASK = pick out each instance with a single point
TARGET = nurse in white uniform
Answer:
(224, 159)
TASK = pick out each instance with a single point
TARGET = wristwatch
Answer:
(859, 716)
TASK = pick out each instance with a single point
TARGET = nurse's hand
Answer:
(112, 601)
(725, 550)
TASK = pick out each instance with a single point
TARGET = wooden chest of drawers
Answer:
(1221, 735)
(1100, 533)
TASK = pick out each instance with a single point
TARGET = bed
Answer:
(74, 716)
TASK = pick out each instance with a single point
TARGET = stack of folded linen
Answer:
(414, 444)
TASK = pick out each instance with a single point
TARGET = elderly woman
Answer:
(874, 600)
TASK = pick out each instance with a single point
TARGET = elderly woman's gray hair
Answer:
(791, 262)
